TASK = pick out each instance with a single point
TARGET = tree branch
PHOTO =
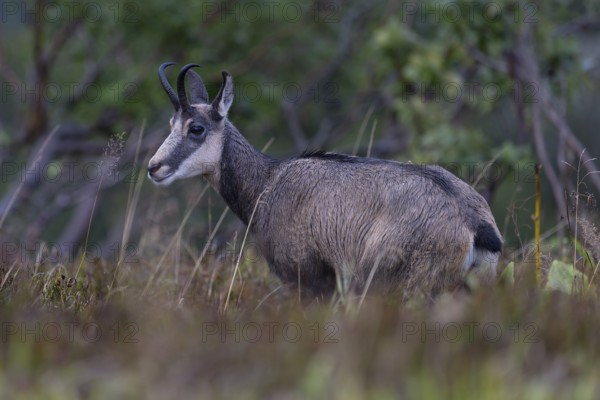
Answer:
(325, 75)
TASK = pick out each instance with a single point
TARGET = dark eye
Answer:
(197, 130)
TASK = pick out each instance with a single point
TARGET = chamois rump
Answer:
(324, 219)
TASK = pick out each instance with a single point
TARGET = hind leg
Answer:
(485, 265)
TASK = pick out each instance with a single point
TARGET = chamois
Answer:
(321, 219)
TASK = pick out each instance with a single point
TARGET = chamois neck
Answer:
(245, 172)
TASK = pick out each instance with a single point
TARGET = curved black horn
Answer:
(166, 85)
(183, 101)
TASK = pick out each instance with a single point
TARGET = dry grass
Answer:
(93, 336)
(183, 321)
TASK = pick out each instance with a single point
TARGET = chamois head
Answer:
(195, 143)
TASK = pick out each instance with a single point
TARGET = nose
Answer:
(153, 167)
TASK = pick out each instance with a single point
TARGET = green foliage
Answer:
(425, 53)
(508, 275)
(443, 143)
(431, 56)
(566, 278)
(438, 78)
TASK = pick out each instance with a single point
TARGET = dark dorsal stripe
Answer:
(323, 155)
(422, 171)
(433, 175)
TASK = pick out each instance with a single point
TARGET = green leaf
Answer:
(564, 277)
(508, 274)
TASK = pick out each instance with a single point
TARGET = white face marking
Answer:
(181, 156)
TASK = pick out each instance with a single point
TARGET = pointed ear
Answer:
(198, 92)
(223, 101)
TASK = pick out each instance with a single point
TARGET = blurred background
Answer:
(111, 287)
(487, 89)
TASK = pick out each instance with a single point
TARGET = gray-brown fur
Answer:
(324, 218)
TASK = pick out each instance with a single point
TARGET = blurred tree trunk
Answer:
(38, 119)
